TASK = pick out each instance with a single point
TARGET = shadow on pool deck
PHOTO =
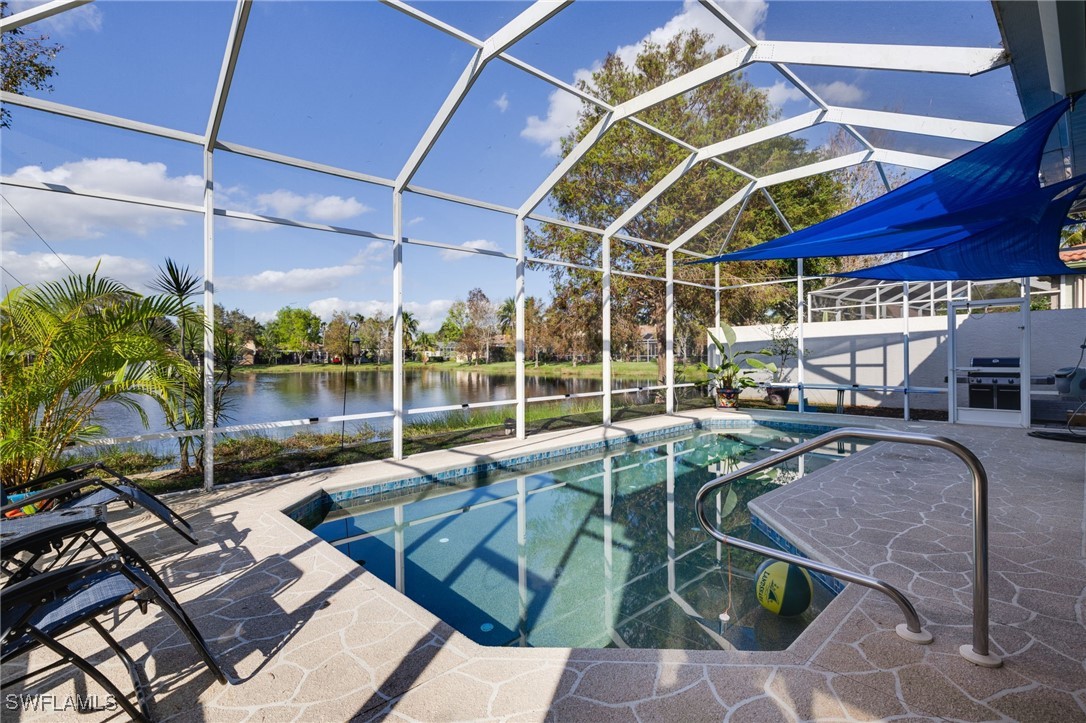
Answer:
(310, 636)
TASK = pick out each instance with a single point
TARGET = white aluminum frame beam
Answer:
(40, 12)
(941, 127)
(922, 125)
(226, 72)
(713, 216)
(433, 22)
(103, 195)
(969, 61)
(536, 14)
(68, 111)
(916, 58)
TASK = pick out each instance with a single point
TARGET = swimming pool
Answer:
(605, 552)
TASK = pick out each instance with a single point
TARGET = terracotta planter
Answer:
(727, 398)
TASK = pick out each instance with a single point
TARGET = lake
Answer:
(259, 397)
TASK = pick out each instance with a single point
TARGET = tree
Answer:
(455, 320)
(244, 327)
(185, 412)
(535, 332)
(295, 330)
(25, 63)
(507, 316)
(479, 329)
(1073, 235)
(65, 348)
(572, 327)
(375, 335)
(337, 336)
(410, 330)
(628, 161)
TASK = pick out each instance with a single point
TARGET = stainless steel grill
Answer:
(992, 388)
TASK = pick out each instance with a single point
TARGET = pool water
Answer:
(600, 553)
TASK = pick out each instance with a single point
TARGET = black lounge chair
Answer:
(38, 543)
(43, 607)
(70, 493)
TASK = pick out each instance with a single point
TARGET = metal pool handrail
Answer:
(978, 653)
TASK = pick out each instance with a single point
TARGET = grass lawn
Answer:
(619, 370)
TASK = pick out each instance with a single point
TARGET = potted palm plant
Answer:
(730, 377)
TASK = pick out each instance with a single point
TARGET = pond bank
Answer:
(620, 370)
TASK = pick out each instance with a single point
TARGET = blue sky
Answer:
(354, 84)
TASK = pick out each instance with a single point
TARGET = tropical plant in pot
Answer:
(784, 346)
(730, 377)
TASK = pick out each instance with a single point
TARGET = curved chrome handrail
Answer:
(978, 653)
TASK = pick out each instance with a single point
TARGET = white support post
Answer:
(521, 332)
(605, 323)
(905, 344)
(211, 137)
(397, 325)
(801, 303)
(209, 322)
(801, 370)
(1025, 364)
(669, 331)
(716, 293)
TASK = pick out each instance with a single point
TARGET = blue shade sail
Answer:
(1008, 250)
(988, 202)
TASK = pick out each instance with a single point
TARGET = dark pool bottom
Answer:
(603, 553)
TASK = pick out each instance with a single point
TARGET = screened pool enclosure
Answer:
(393, 158)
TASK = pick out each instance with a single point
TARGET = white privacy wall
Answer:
(869, 352)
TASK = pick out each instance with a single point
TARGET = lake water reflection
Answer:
(258, 397)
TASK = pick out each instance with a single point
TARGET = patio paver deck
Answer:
(308, 635)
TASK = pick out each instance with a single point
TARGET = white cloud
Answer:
(840, 92)
(562, 111)
(59, 218)
(563, 107)
(85, 17)
(482, 244)
(36, 267)
(374, 252)
(430, 315)
(416, 220)
(295, 280)
(315, 207)
(502, 103)
(781, 92)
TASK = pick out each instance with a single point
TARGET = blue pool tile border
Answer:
(832, 584)
(319, 503)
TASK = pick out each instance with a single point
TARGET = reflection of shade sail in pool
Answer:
(983, 215)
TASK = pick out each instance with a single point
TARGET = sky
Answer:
(354, 85)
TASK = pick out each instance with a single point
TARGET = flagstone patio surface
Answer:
(307, 635)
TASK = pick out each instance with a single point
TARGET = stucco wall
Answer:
(871, 352)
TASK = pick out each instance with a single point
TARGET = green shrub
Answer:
(124, 461)
(238, 449)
